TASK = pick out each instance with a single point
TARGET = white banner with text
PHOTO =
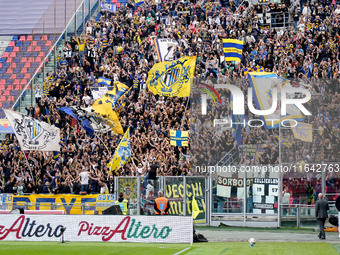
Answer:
(146, 229)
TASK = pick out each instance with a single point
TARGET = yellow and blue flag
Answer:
(253, 69)
(107, 105)
(263, 84)
(104, 81)
(56, 155)
(138, 2)
(302, 131)
(172, 78)
(179, 138)
(287, 142)
(122, 153)
(195, 208)
(232, 49)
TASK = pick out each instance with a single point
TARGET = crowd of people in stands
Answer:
(120, 46)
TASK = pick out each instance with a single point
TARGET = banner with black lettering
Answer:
(33, 134)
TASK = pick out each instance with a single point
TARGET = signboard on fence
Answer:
(143, 229)
(195, 186)
(71, 204)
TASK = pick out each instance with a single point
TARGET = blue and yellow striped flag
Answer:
(232, 49)
(104, 81)
(172, 78)
(179, 138)
(122, 153)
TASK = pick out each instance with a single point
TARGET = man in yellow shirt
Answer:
(81, 48)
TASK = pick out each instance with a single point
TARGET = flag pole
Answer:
(28, 164)
(185, 113)
(103, 143)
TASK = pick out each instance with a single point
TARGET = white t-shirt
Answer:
(84, 178)
(149, 190)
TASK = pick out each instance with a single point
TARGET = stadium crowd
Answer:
(120, 46)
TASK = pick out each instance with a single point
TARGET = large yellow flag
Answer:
(106, 105)
(122, 153)
(172, 78)
(302, 131)
(195, 209)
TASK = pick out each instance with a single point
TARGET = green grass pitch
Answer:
(236, 248)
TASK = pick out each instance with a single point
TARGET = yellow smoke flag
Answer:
(172, 78)
(195, 209)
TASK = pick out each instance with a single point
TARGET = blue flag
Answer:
(108, 7)
(84, 122)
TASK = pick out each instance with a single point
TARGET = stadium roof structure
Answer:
(27, 16)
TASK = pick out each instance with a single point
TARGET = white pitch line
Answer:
(181, 251)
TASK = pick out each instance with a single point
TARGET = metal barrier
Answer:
(275, 20)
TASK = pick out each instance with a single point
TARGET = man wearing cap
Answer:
(161, 204)
(123, 203)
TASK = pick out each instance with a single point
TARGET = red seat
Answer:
(30, 48)
(44, 38)
(27, 65)
(38, 60)
(13, 76)
(16, 82)
(29, 38)
(10, 87)
(30, 60)
(23, 60)
(41, 54)
(22, 38)
(2, 87)
(2, 98)
(2, 82)
(5, 55)
(13, 54)
(9, 71)
(14, 65)
(0, 104)
(24, 70)
(16, 49)
(48, 43)
(6, 93)
(27, 76)
(23, 82)
(34, 43)
(38, 48)
(9, 60)
(11, 44)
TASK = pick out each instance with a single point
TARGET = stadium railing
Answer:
(61, 19)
